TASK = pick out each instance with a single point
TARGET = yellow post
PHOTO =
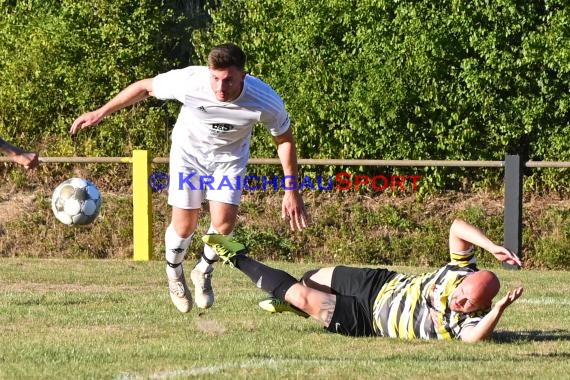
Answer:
(142, 207)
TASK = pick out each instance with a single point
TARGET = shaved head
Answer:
(476, 292)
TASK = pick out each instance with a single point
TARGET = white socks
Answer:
(175, 251)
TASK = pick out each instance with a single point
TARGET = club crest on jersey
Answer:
(220, 128)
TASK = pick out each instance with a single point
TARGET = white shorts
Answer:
(194, 181)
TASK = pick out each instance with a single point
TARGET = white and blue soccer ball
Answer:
(76, 201)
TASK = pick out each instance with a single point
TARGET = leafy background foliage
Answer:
(362, 79)
(414, 79)
(62, 58)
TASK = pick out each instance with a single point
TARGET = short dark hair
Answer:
(226, 55)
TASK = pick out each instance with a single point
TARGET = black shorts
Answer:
(356, 290)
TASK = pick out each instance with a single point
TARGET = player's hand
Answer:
(86, 120)
(509, 298)
(28, 160)
(506, 256)
(293, 209)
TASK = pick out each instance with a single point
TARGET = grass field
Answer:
(112, 319)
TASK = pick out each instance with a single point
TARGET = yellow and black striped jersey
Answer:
(416, 306)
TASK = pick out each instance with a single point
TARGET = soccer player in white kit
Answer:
(210, 148)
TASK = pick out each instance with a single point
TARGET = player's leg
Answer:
(337, 313)
(317, 304)
(223, 193)
(341, 314)
(186, 202)
(176, 240)
(318, 279)
(223, 218)
(355, 290)
(274, 281)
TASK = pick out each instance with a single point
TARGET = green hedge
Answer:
(362, 79)
(61, 58)
(472, 80)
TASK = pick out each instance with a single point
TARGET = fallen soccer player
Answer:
(454, 301)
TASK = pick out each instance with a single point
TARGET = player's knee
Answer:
(297, 295)
(184, 221)
(183, 231)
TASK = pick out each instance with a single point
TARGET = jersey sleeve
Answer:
(471, 320)
(276, 119)
(281, 125)
(172, 84)
(463, 258)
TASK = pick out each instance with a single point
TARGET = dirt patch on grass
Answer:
(13, 205)
(210, 327)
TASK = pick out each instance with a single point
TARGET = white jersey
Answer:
(218, 131)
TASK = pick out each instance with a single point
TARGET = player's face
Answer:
(227, 83)
(462, 301)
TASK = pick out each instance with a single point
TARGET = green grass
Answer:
(112, 319)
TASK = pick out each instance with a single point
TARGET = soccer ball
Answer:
(76, 201)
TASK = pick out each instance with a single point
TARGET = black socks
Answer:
(274, 281)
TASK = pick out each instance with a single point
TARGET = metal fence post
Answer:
(513, 206)
(142, 207)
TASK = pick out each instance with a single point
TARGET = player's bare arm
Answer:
(463, 235)
(28, 160)
(132, 94)
(293, 206)
(486, 326)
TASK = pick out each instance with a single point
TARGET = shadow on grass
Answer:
(532, 335)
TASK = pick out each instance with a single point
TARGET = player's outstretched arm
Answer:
(463, 235)
(486, 326)
(28, 160)
(293, 207)
(134, 93)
